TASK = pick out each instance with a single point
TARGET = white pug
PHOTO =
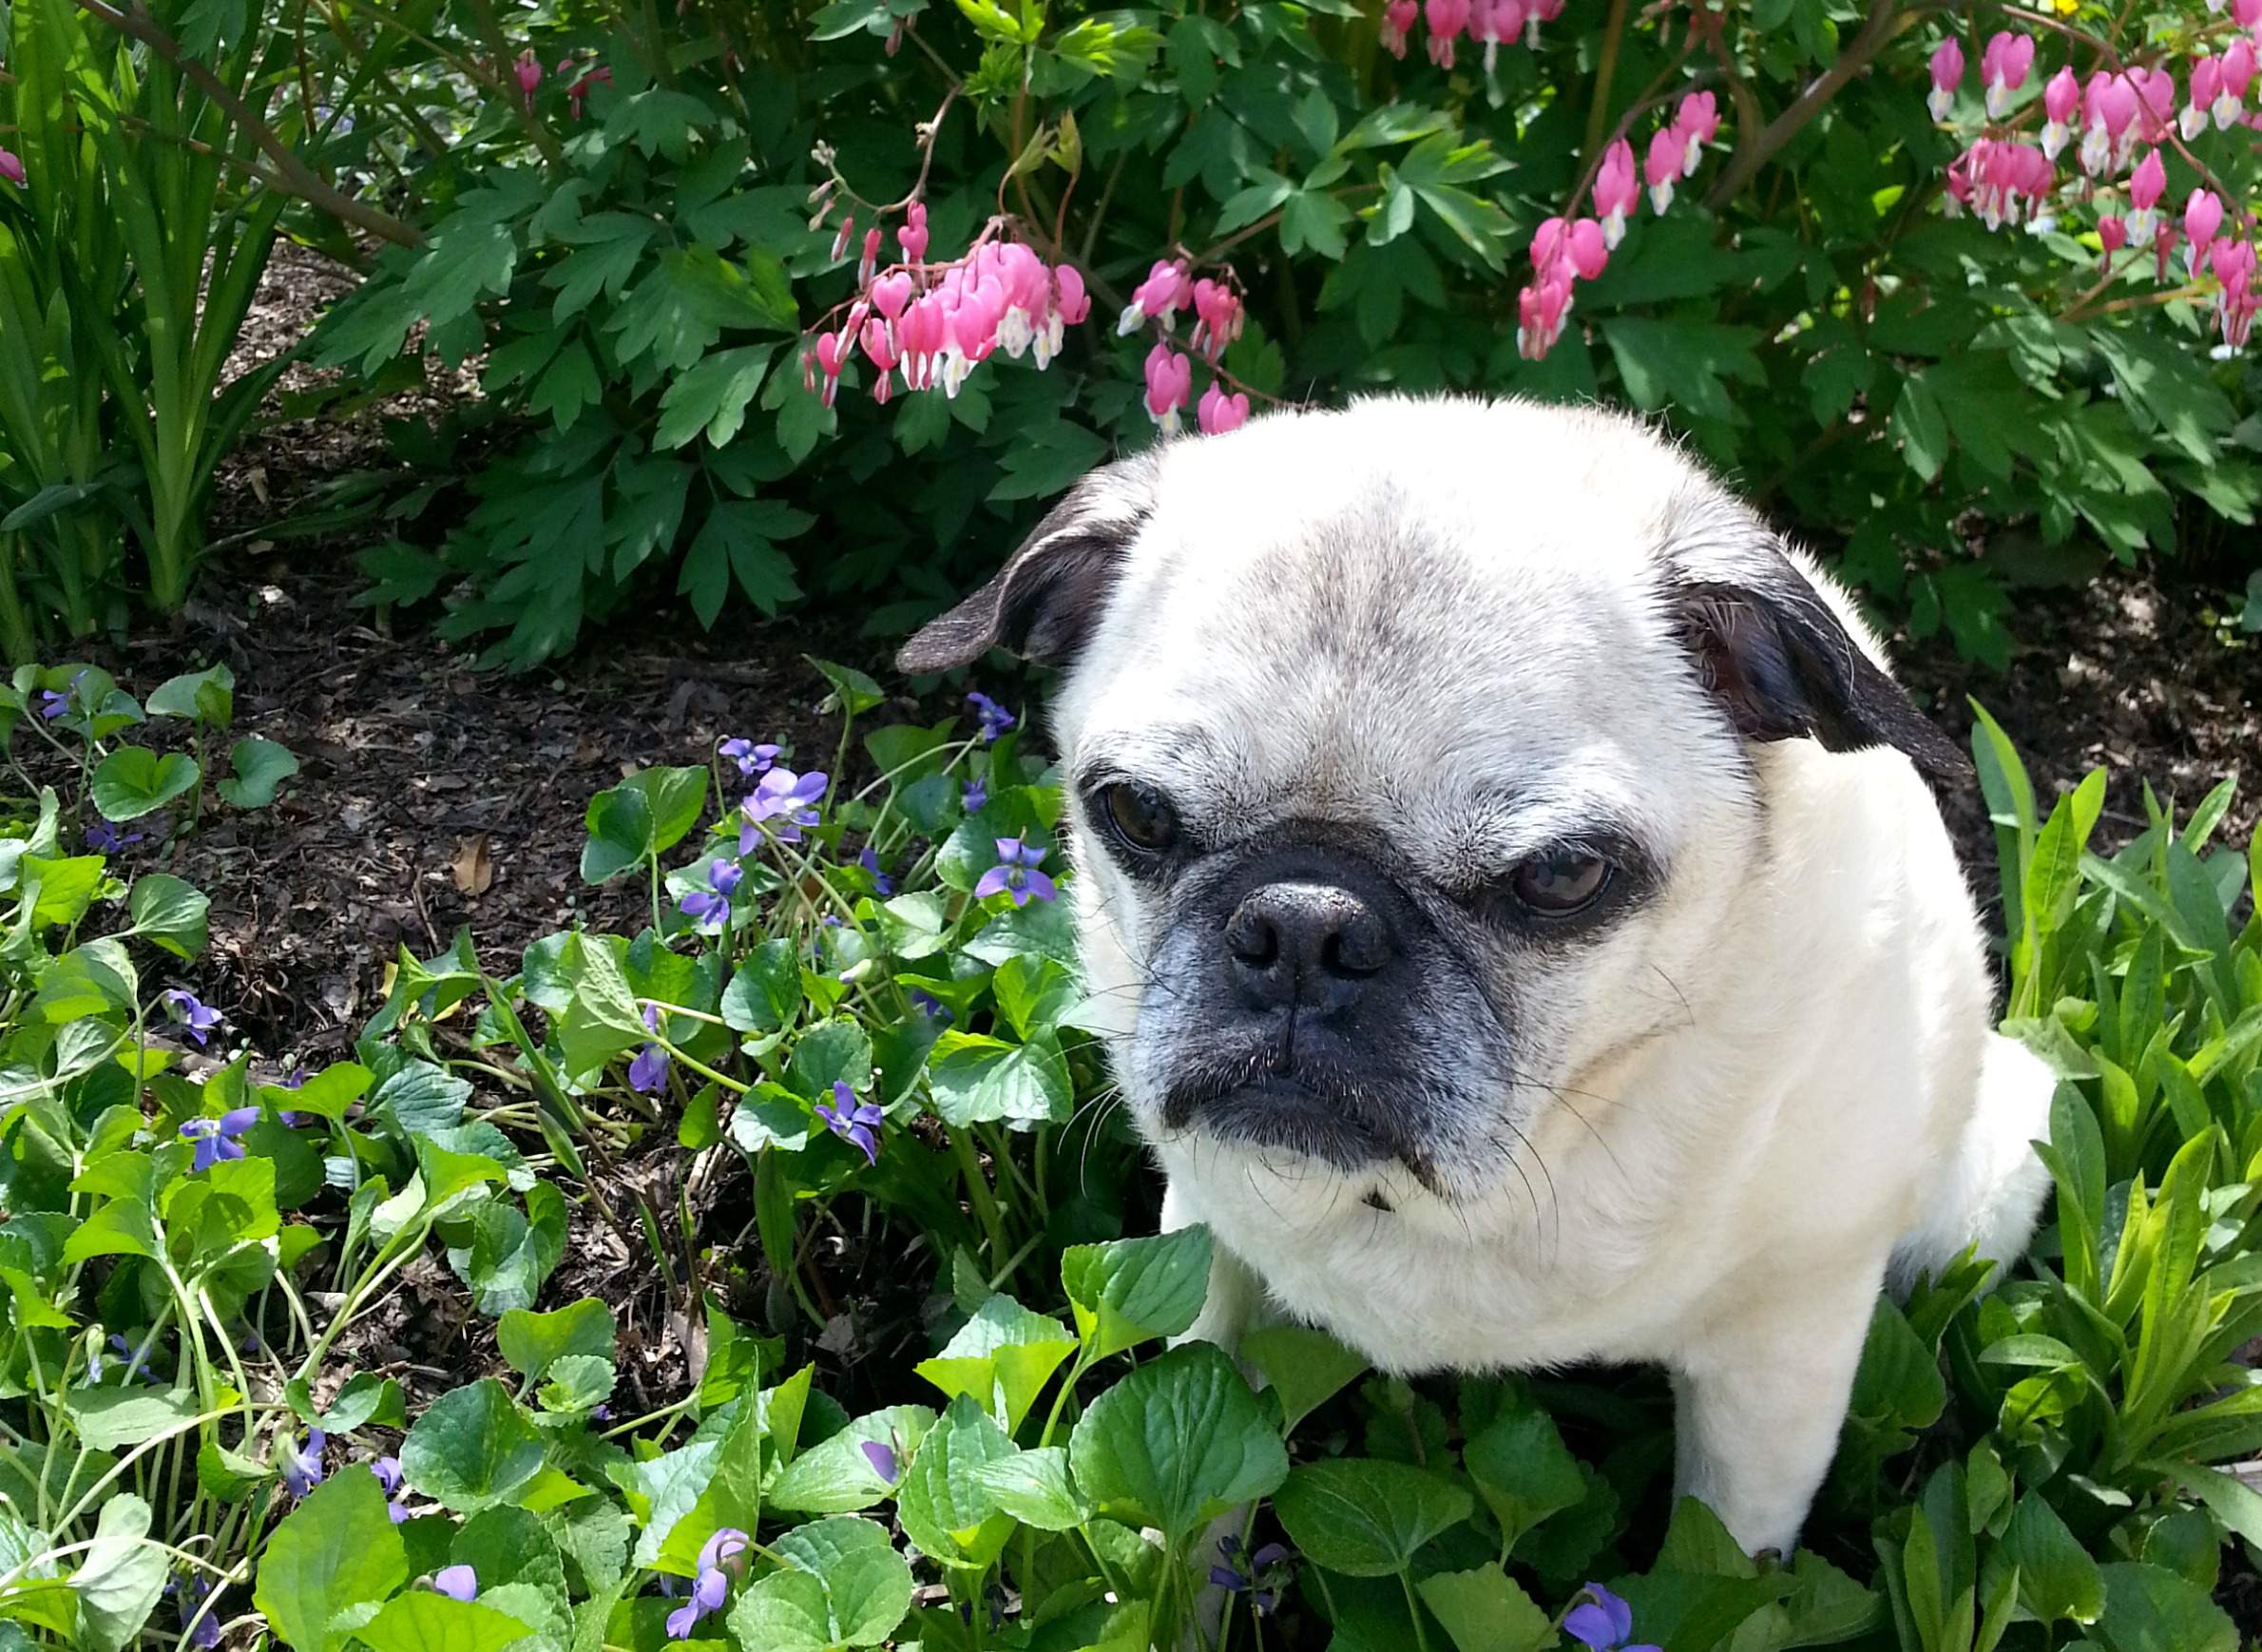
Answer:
(1528, 934)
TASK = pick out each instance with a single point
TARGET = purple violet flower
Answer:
(104, 838)
(995, 717)
(189, 1595)
(185, 1011)
(726, 876)
(1016, 873)
(708, 910)
(882, 1457)
(53, 704)
(1602, 1624)
(853, 1121)
(302, 1466)
(722, 1558)
(1258, 1576)
(881, 882)
(751, 758)
(784, 795)
(124, 1352)
(217, 1138)
(647, 1073)
(974, 799)
(458, 1583)
(932, 1008)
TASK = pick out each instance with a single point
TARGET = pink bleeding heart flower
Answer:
(1447, 19)
(1535, 13)
(1170, 382)
(920, 337)
(912, 235)
(1166, 290)
(2109, 114)
(1398, 23)
(2163, 244)
(1219, 412)
(2146, 186)
(1493, 24)
(1947, 74)
(2112, 234)
(891, 293)
(2004, 68)
(2247, 13)
(880, 349)
(12, 168)
(831, 356)
(528, 74)
(2236, 301)
(869, 264)
(2060, 98)
(2238, 73)
(1218, 317)
(1662, 170)
(1617, 192)
(1541, 310)
(1696, 121)
(1586, 248)
(2203, 221)
(2198, 109)
(1070, 302)
(2155, 102)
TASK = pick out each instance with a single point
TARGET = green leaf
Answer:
(1035, 1489)
(977, 1079)
(426, 1621)
(472, 1449)
(712, 398)
(765, 993)
(337, 1551)
(120, 1575)
(2057, 1579)
(866, 1584)
(169, 912)
(1524, 1469)
(260, 767)
(207, 696)
(836, 1477)
(1919, 425)
(111, 1419)
(1303, 1367)
(531, 1343)
(133, 781)
(1366, 1518)
(1684, 365)
(1002, 1358)
(67, 886)
(647, 814)
(1485, 1611)
(1176, 1444)
(1130, 1291)
(2148, 1608)
(944, 1506)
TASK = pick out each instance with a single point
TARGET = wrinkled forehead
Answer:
(1474, 657)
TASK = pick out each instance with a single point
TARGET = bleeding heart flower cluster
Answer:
(1569, 250)
(1491, 24)
(1219, 313)
(2117, 123)
(932, 324)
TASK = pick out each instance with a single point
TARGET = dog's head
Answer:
(1416, 752)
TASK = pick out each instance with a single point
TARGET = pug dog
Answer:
(1523, 926)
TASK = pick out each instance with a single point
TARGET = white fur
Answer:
(1750, 1107)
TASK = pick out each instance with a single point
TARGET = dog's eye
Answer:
(1562, 882)
(1140, 817)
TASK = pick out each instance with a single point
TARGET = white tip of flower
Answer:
(1168, 423)
(1130, 321)
(2226, 111)
(1940, 99)
(1614, 231)
(1660, 197)
(2054, 139)
(2190, 123)
(1999, 98)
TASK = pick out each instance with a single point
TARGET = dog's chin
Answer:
(1281, 1114)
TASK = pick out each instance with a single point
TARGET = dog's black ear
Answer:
(1779, 659)
(1045, 600)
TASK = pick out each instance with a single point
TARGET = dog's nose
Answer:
(1309, 943)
